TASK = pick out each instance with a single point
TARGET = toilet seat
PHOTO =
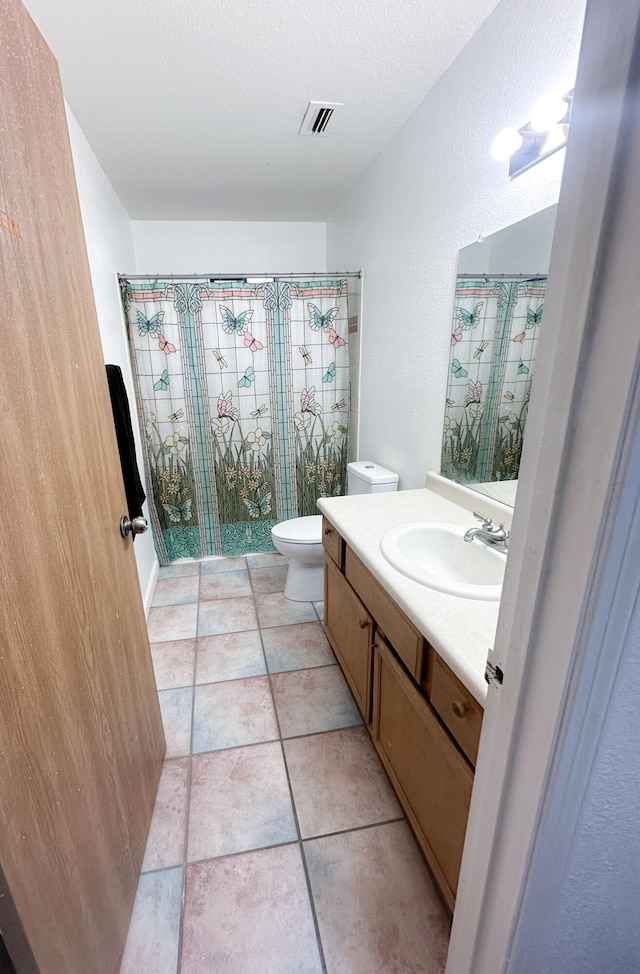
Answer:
(300, 530)
(300, 540)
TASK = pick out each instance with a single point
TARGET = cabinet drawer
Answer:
(457, 708)
(400, 632)
(430, 775)
(332, 542)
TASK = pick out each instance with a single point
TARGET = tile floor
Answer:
(277, 844)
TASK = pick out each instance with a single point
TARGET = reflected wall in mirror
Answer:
(497, 316)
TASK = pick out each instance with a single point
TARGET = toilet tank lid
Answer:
(372, 472)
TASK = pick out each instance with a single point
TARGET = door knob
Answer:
(137, 525)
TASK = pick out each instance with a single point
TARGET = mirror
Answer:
(497, 315)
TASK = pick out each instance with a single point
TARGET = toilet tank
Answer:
(366, 477)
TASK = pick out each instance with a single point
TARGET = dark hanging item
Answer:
(126, 446)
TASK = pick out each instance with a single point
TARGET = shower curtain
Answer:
(493, 350)
(243, 398)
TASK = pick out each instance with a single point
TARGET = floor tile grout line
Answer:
(271, 740)
(253, 676)
(303, 860)
(357, 828)
(234, 632)
(299, 840)
(236, 854)
(235, 679)
(294, 810)
(312, 902)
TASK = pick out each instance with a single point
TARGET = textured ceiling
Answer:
(193, 107)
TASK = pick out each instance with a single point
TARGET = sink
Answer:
(436, 555)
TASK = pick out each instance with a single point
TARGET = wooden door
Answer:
(349, 628)
(81, 741)
(431, 777)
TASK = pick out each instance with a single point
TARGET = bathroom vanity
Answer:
(414, 659)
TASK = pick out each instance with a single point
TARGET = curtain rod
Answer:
(501, 277)
(306, 275)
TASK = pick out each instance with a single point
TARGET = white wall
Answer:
(433, 190)
(107, 230)
(201, 247)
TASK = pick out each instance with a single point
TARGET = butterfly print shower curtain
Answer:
(243, 398)
(494, 340)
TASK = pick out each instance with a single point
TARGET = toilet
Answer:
(300, 538)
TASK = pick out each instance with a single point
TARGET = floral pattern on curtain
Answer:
(243, 397)
(493, 350)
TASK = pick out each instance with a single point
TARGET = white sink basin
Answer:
(436, 555)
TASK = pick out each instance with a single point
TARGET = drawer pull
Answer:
(363, 623)
(326, 531)
(459, 709)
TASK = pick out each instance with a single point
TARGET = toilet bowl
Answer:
(300, 540)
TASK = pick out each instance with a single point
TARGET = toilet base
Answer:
(305, 583)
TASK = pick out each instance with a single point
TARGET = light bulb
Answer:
(548, 112)
(506, 143)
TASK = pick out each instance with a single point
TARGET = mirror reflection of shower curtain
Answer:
(243, 398)
(493, 349)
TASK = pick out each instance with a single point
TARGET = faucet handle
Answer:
(486, 521)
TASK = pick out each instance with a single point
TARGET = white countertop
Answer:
(460, 630)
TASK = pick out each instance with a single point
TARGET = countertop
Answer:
(460, 630)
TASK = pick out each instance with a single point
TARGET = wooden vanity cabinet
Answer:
(425, 724)
(432, 779)
(349, 627)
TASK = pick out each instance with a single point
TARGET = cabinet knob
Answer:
(459, 708)
(326, 531)
(363, 623)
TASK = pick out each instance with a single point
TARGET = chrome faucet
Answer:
(495, 537)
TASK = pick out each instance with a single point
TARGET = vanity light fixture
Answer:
(544, 134)
(549, 111)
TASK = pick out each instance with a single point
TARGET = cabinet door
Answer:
(349, 628)
(431, 777)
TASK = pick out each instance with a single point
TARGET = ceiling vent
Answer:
(317, 117)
